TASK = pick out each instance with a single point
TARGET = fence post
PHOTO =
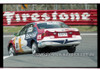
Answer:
(71, 6)
(56, 7)
(33, 7)
(86, 7)
(5, 7)
(17, 8)
(46, 7)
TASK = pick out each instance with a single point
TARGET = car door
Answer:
(29, 34)
(20, 42)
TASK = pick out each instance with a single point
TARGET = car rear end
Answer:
(58, 37)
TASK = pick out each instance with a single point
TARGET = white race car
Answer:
(43, 34)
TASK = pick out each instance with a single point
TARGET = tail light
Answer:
(77, 33)
(47, 33)
(44, 34)
(41, 36)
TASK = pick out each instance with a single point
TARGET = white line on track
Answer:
(4, 57)
(8, 35)
(81, 34)
(88, 33)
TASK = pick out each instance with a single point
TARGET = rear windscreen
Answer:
(52, 25)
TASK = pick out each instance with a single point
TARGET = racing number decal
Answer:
(18, 44)
(19, 41)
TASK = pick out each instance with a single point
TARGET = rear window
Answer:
(52, 25)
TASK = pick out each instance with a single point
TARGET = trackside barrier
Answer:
(70, 17)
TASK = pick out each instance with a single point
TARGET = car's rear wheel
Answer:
(34, 48)
(71, 49)
(11, 51)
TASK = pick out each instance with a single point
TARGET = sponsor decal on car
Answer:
(31, 35)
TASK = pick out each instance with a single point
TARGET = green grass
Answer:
(15, 29)
(11, 29)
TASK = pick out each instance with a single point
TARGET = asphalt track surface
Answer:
(85, 55)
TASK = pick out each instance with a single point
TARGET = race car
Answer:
(36, 35)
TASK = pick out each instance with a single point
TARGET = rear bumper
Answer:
(60, 42)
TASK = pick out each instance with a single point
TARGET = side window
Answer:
(23, 31)
(30, 28)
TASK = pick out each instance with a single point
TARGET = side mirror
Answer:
(15, 34)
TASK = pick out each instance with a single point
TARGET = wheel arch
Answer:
(9, 45)
(32, 41)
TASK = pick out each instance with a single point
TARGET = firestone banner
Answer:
(69, 17)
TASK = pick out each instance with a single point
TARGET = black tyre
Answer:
(71, 49)
(11, 51)
(34, 48)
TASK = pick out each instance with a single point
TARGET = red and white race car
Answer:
(43, 34)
